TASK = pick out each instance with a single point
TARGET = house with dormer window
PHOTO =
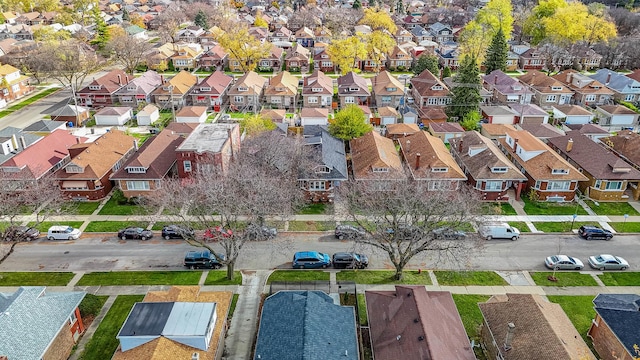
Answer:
(297, 59)
(323, 35)
(429, 91)
(186, 57)
(532, 59)
(587, 91)
(375, 159)
(283, 34)
(399, 59)
(305, 37)
(190, 34)
(441, 33)
(421, 34)
(547, 90)
(270, 63)
(174, 91)
(623, 87)
(281, 91)
(506, 89)
(247, 91)
(550, 176)
(216, 58)
(14, 85)
(353, 89)
(317, 90)
(139, 89)
(321, 181)
(387, 90)
(402, 35)
(211, 91)
(322, 61)
(101, 91)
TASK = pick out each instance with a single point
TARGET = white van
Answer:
(62, 232)
(499, 231)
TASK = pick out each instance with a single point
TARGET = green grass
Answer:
(117, 278)
(316, 209)
(580, 311)
(118, 205)
(362, 310)
(551, 208)
(565, 278)
(311, 225)
(79, 207)
(28, 101)
(559, 226)
(104, 343)
(219, 277)
(234, 303)
(91, 305)
(612, 208)
(35, 278)
(464, 278)
(45, 225)
(520, 225)
(112, 226)
(502, 208)
(383, 277)
(298, 275)
(628, 227)
(470, 312)
(620, 278)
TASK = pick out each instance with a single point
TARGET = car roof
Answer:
(563, 257)
(300, 254)
(607, 257)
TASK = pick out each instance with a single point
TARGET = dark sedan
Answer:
(176, 232)
(349, 260)
(135, 233)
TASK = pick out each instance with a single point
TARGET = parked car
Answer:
(349, 232)
(350, 260)
(594, 232)
(257, 232)
(63, 232)
(448, 233)
(311, 260)
(216, 233)
(608, 262)
(202, 259)
(135, 233)
(499, 231)
(406, 232)
(563, 262)
(176, 232)
(21, 233)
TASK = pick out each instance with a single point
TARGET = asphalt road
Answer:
(34, 112)
(109, 253)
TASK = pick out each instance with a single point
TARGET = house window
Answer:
(126, 99)
(349, 100)
(312, 100)
(94, 87)
(558, 185)
(556, 88)
(442, 169)
(499, 170)
(316, 90)
(205, 89)
(276, 100)
(590, 97)
(187, 165)
(322, 170)
(559, 171)
(537, 185)
(439, 185)
(436, 87)
(138, 185)
(317, 185)
(326, 64)
(264, 63)
(551, 98)
(629, 97)
(74, 169)
(614, 185)
(391, 89)
(493, 185)
(238, 99)
(73, 318)
(386, 99)
(432, 101)
(242, 88)
(136, 170)
(380, 169)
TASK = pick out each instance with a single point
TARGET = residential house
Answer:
(500, 114)
(245, 94)
(626, 145)
(427, 90)
(609, 177)
(512, 61)
(320, 183)
(183, 322)
(158, 58)
(547, 90)
(13, 84)
(531, 59)
(14, 140)
(420, 34)
(374, 159)
(113, 116)
(449, 57)
(387, 90)
(388, 115)
(550, 176)
(209, 149)
(323, 35)
(613, 331)
(273, 62)
(353, 89)
(495, 131)
(154, 161)
(530, 114)
(148, 115)
(592, 131)
(441, 33)
(587, 91)
(139, 89)
(322, 61)
(429, 161)
(488, 170)
(395, 131)
(543, 132)
(190, 34)
(305, 37)
(305, 325)
(297, 59)
(281, 35)
(216, 58)
(211, 92)
(413, 323)
(515, 326)
(136, 32)
(399, 59)
(101, 91)
(278, 116)
(317, 90)
(624, 88)
(76, 115)
(445, 130)
(506, 89)
(192, 114)
(37, 324)
(572, 114)
(174, 91)
(281, 91)
(86, 176)
(402, 35)
(616, 117)
(186, 56)
(314, 116)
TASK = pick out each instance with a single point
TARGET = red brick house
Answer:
(13, 84)
(211, 91)
(353, 89)
(614, 331)
(375, 159)
(214, 59)
(101, 91)
(531, 59)
(209, 148)
(297, 59)
(322, 61)
(428, 90)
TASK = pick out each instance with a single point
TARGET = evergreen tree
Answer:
(446, 72)
(101, 37)
(201, 20)
(372, 3)
(125, 15)
(357, 4)
(399, 7)
(496, 58)
(465, 93)
(428, 62)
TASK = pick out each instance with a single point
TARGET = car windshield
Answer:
(68, 230)
(599, 259)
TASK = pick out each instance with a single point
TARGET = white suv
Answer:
(63, 233)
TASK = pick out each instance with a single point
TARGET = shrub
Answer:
(90, 305)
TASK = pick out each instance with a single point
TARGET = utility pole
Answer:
(173, 108)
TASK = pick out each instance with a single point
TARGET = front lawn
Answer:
(119, 278)
(520, 225)
(104, 343)
(298, 275)
(45, 225)
(580, 311)
(113, 226)
(628, 227)
(551, 208)
(79, 207)
(316, 209)
(219, 277)
(19, 105)
(502, 208)
(311, 225)
(565, 278)
(35, 278)
(559, 226)
(411, 277)
(464, 278)
(612, 208)
(620, 278)
(470, 312)
(119, 205)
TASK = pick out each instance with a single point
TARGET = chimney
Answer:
(417, 161)
(23, 143)
(511, 328)
(495, 79)
(135, 145)
(14, 142)
(119, 80)
(608, 78)
(408, 146)
(460, 145)
(568, 77)
(161, 79)
(77, 140)
(569, 145)
(515, 144)
(126, 79)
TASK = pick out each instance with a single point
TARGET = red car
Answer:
(214, 234)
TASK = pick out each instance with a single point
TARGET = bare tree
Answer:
(70, 62)
(169, 22)
(31, 61)
(128, 51)
(304, 17)
(400, 221)
(260, 182)
(338, 19)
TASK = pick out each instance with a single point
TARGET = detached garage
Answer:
(617, 116)
(148, 115)
(111, 116)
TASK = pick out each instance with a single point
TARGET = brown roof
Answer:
(218, 82)
(386, 84)
(283, 84)
(181, 128)
(402, 129)
(542, 131)
(544, 83)
(252, 81)
(497, 129)
(372, 150)
(165, 349)
(617, 109)
(635, 75)
(542, 329)
(433, 154)
(432, 113)
(581, 83)
(274, 114)
(572, 110)
(426, 84)
(314, 112)
(386, 111)
(587, 128)
(192, 111)
(413, 323)
(156, 154)
(355, 81)
(317, 80)
(109, 83)
(445, 127)
(626, 143)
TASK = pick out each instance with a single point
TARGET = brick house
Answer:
(531, 59)
(353, 89)
(319, 184)
(614, 329)
(550, 176)
(488, 170)
(174, 91)
(297, 59)
(215, 59)
(246, 93)
(86, 176)
(387, 90)
(13, 84)
(317, 90)
(547, 90)
(399, 59)
(39, 325)
(212, 91)
(139, 89)
(101, 91)
(209, 148)
(374, 159)
(506, 89)
(624, 88)
(305, 37)
(626, 145)
(428, 90)
(281, 91)
(186, 56)
(587, 91)
(273, 61)
(322, 61)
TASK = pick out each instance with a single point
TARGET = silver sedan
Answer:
(563, 262)
(608, 262)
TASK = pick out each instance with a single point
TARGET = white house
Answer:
(572, 114)
(192, 114)
(148, 115)
(617, 116)
(314, 116)
(113, 115)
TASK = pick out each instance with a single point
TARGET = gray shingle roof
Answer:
(30, 319)
(617, 82)
(620, 312)
(7, 133)
(297, 325)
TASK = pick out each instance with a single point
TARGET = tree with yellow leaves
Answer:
(477, 34)
(244, 47)
(260, 21)
(378, 44)
(378, 19)
(48, 35)
(136, 19)
(256, 124)
(345, 52)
